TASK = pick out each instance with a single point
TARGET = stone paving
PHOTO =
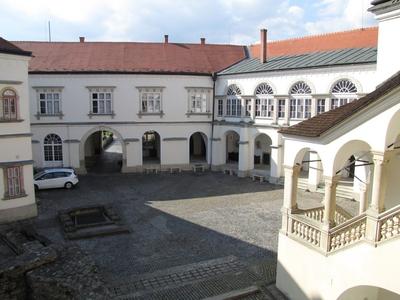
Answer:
(174, 219)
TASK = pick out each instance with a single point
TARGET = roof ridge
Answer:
(320, 35)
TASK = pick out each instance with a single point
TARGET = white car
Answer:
(55, 178)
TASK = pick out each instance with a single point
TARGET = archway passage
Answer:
(151, 147)
(262, 152)
(103, 152)
(232, 147)
(198, 148)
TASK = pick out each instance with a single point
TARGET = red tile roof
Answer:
(130, 57)
(322, 123)
(358, 38)
(9, 48)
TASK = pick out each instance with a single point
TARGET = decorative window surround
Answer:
(300, 101)
(199, 101)
(150, 101)
(49, 102)
(343, 92)
(9, 106)
(13, 182)
(101, 101)
(53, 148)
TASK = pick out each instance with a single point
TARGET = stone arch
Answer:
(156, 147)
(353, 147)
(230, 142)
(306, 81)
(349, 78)
(392, 139)
(367, 291)
(198, 140)
(82, 167)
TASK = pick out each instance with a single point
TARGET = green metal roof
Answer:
(305, 61)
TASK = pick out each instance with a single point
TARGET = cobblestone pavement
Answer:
(175, 219)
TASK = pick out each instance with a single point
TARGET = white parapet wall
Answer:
(304, 273)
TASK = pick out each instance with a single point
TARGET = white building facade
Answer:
(17, 197)
(324, 252)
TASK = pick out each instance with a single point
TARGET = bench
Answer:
(229, 172)
(199, 167)
(151, 170)
(255, 177)
(175, 170)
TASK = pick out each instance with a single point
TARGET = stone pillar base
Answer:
(242, 173)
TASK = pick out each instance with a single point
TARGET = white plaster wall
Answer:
(76, 104)
(388, 49)
(303, 273)
(14, 68)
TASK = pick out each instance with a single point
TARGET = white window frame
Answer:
(321, 102)
(14, 182)
(199, 100)
(150, 100)
(300, 101)
(52, 148)
(265, 107)
(248, 107)
(281, 108)
(220, 107)
(9, 108)
(49, 101)
(233, 101)
(343, 92)
(101, 101)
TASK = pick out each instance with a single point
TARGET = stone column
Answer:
(289, 194)
(327, 104)
(314, 106)
(287, 111)
(276, 161)
(275, 112)
(244, 153)
(377, 197)
(330, 202)
(253, 108)
(243, 108)
(363, 197)
(314, 172)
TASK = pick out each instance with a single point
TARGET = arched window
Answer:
(300, 101)
(264, 100)
(343, 92)
(8, 105)
(233, 101)
(53, 148)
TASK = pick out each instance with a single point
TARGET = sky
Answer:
(219, 21)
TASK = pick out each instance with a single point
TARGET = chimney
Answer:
(81, 39)
(263, 45)
(203, 41)
(166, 39)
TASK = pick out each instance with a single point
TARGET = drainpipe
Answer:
(214, 78)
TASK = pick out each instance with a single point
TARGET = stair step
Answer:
(275, 292)
(237, 294)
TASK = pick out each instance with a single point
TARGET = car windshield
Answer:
(38, 175)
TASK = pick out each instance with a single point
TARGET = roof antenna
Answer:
(49, 31)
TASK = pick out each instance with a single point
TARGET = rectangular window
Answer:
(228, 107)
(300, 108)
(320, 106)
(151, 102)
(281, 108)
(307, 108)
(198, 103)
(220, 107)
(101, 103)
(14, 179)
(49, 102)
(258, 107)
(248, 108)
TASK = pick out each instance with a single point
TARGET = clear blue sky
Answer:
(220, 21)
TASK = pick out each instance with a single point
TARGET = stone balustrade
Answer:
(307, 227)
(389, 224)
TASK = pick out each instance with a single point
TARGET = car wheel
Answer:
(69, 185)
